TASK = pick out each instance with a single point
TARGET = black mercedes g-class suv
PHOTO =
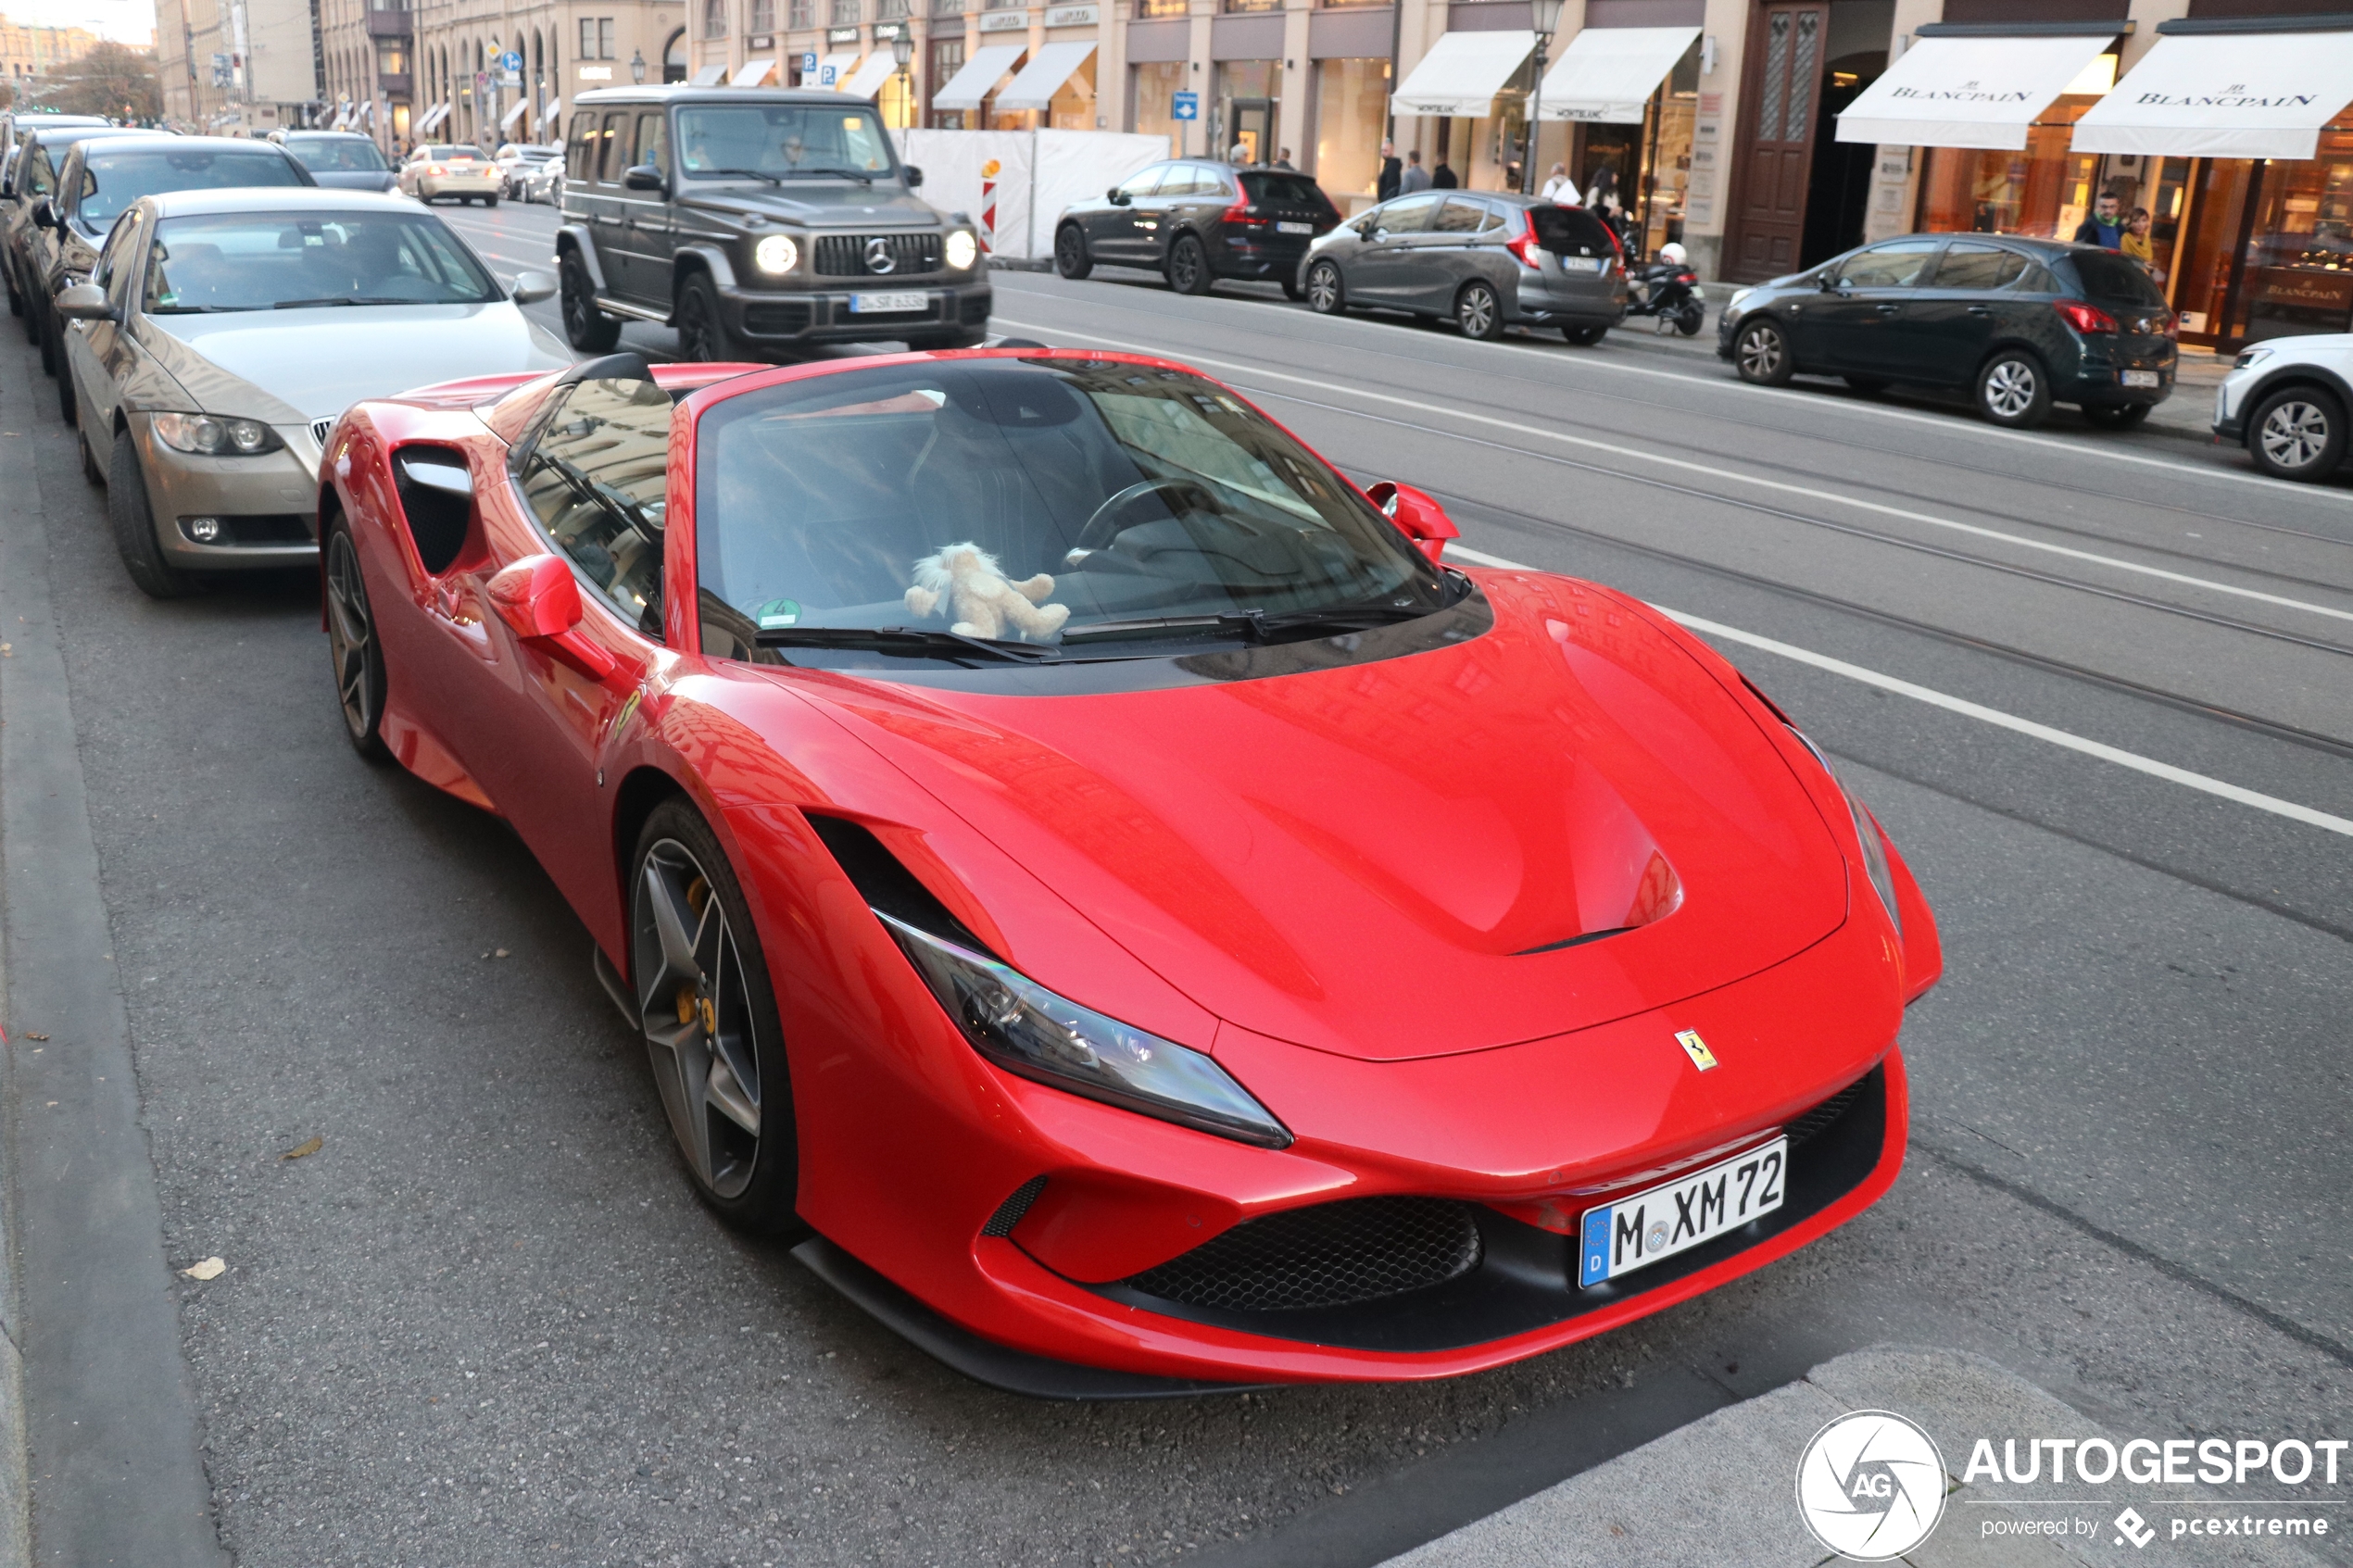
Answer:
(756, 220)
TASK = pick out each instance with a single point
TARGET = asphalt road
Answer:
(484, 1323)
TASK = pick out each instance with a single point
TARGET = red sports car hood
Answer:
(1393, 859)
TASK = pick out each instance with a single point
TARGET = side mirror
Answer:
(914, 176)
(645, 177)
(1829, 282)
(532, 287)
(540, 603)
(1116, 197)
(83, 302)
(1420, 519)
(44, 214)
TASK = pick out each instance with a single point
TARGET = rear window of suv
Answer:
(1570, 231)
(1284, 190)
(2114, 280)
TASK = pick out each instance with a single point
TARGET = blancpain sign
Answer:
(2232, 96)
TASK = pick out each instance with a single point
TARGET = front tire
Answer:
(1189, 265)
(586, 328)
(490, 201)
(2297, 432)
(708, 1012)
(352, 648)
(1761, 354)
(1479, 313)
(134, 521)
(1071, 258)
(703, 338)
(2014, 390)
(1326, 292)
(1692, 317)
(68, 407)
(50, 357)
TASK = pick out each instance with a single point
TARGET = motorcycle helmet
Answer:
(1674, 255)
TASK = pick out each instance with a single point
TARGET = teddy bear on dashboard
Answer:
(966, 580)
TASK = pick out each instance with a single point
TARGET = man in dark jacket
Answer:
(2105, 227)
(1392, 170)
(1442, 178)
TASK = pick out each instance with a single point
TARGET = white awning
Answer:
(1043, 76)
(872, 72)
(833, 70)
(2234, 95)
(978, 77)
(1606, 74)
(341, 118)
(709, 76)
(1463, 72)
(514, 114)
(434, 117)
(751, 73)
(548, 114)
(1969, 91)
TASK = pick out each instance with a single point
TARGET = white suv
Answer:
(2287, 399)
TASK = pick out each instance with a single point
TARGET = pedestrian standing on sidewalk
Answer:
(2105, 227)
(1442, 178)
(1415, 178)
(1392, 170)
(1559, 188)
(1603, 197)
(2136, 243)
(1282, 160)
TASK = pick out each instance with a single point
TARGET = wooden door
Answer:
(1778, 122)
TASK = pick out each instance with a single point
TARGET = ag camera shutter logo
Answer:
(1870, 1486)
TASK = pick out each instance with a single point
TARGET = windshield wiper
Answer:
(858, 174)
(1255, 625)
(905, 642)
(745, 173)
(347, 299)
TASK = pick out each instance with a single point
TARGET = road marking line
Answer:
(1943, 422)
(1995, 716)
(1658, 461)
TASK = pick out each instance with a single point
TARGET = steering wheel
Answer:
(1195, 495)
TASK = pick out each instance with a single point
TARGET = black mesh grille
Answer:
(776, 318)
(1328, 1255)
(1819, 1119)
(974, 311)
(1009, 1212)
(846, 256)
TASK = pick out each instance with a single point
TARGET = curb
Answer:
(15, 1481)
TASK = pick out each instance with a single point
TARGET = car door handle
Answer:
(1980, 310)
(1887, 309)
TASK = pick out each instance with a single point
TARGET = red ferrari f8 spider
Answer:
(1100, 884)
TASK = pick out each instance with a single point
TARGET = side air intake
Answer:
(888, 886)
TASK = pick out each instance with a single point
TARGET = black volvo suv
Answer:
(756, 221)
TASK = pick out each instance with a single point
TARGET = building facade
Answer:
(28, 50)
(238, 67)
(482, 73)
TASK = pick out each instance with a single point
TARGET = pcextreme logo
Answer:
(1870, 1486)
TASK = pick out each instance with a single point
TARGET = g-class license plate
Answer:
(1640, 1230)
(889, 304)
(1294, 228)
(2139, 378)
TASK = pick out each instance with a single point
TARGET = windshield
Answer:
(1076, 502)
(454, 155)
(270, 261)
(780, 141)
(336, 155)
(112, 180)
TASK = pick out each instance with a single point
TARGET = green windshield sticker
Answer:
(779, 612)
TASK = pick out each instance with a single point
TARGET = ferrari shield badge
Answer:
(1695, 1047)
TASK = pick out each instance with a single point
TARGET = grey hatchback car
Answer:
(1488, 259)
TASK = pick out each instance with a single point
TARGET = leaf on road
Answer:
(211, 1268)
(32, 1037)
(313, 1147)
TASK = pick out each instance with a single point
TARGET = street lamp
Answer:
(1546, 16)
(902, 49)
(637, 67)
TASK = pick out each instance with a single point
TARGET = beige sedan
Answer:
(437, 170)
(225, 332)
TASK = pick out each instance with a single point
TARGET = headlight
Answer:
(777, 252)
(1025, 1028)
(1865, 829)
(2250, 357)
(211, 436)
(964, 249)
(1732, 306)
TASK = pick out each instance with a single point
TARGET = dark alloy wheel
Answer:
(1761, 354)
(2117, 415)
(2014, 391)
(2296, 432)
(1071, 258)
(1189, 265)
(1327, 295)
(352, 647)
(702, 332)
(1479, 313)
(1584, 337)
(709, 1016)
(133, 522)
(586, 328)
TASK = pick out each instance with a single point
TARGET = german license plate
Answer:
(890, 304)
(1636, 1232)
(1581, 264)
(1294, 228)
(2140, 378)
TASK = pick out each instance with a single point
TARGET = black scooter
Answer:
(1669, 291)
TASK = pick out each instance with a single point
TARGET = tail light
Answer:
(1240, 215)
(2084, 318)
(1524, 245)
(1687, 276)
(435, 169)
(1616, 248)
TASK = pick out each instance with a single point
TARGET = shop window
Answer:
(2297, 273)
(1147, 9)
(946, 59)
(801, 14)
(845, 13)
(892, 11)
(1233, 5)
(1351, 99)
(715, 19)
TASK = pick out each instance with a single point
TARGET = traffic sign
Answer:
(510, 61)
(1188, 105)
(808, 62)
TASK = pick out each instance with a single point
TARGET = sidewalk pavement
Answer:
(1723, 1490)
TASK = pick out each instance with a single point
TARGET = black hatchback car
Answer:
(2022, 323)
(1195, 220)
